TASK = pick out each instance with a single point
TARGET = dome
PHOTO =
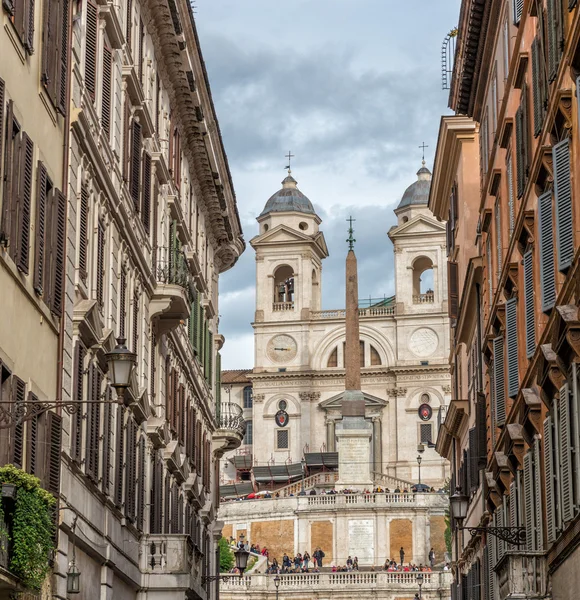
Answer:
(418, 192)
(288, 199)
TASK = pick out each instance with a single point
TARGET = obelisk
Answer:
(354, 432)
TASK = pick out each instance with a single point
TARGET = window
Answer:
(511, 199)
(499, 258)
(22, 12)
(249, 435)
(426, 433)
(282, 439)
(547, 267)
(522, 141)
(498, 381)
(563, 202)
(539, 85)
(555, 37)
(248, 397)
(518, 6)
(506, 49)
(488, 269)
(494, 101)
(282, 405)
(512, 346)
(529, 314)
(375, 357)
(333, 359)
(533, 498)
(55, 52)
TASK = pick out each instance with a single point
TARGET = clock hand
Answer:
(282, 349)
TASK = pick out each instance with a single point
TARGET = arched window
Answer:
(333, 359)
(284, 285)
(375, 357)
(248, 397)
(423, 284)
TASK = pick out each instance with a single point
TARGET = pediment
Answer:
(419, 225)
(336, 402)
(282, 234)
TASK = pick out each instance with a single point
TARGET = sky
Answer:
(352, 88)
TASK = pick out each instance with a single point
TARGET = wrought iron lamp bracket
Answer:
(511, 535)
(209, 578)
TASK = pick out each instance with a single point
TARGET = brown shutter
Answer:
(155, 522)
(141, 488)
(32, 439)
(122, 302)
(62, 66)
(182, 416)
(126, 136)
(136, 299)
(198, 447)
(175, 403)
(174, 508)
(146, 200)
(169, 375)
(83, 232)
(140, 56)
(91, 37)
(135, 177)
(119, 455)
(6, 217)
(93, 425)
(152, 369)
(107, 439)
(24, 203)
(17, 431)
(100, 262)
(130, 472)
(129, 23)
(154, 227)
(41, 184)
(77, 417)
(453, 283)
(59, 242)
(53, 454)
(49, 255)
(50, 49)
(24, 23)
(2, 101)
(166, 510)
(106, 91)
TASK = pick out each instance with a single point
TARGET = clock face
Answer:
(282, 348)
(423, 342)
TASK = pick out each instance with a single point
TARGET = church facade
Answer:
(292, 397)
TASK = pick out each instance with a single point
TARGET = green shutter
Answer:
(512, 346)
(199, 333)
(499, 380)
(210, 349)
(218, 383)
(547, 272)
(563, 197)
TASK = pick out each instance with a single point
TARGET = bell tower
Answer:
(289, 251)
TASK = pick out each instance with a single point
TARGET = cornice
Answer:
(453, 132)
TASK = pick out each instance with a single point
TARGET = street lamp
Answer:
(420, 583)
(302, 490)
(459, 503)
(277, 584)
(241, 556)
(420, 450)
(121, 362)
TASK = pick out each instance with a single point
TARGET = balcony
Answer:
(231, 428)
(336, 585)
(170, 303)
(282, 306)
(428, 298)
(522, 574)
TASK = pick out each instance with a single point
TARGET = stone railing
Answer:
(378, 311)
(337, 500)
(282, 306)
(428, 298)
(389, 481)
(327, 582)
(316, 480)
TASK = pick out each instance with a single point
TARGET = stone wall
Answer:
(277, 536)
(321, 534)
(401, 531)
(438, 527)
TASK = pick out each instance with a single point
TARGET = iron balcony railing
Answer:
(231, 416)
(172, 267)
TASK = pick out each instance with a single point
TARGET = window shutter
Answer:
(453, 282)
(499, 381)
(513, 513)
(93, 425)
(2, 109)
(50, 49)
(126, 136)
(167, 508)
(41, 182)
(210, 352)
(91, 42)
(55, 438)
(17, 431)
(119, 455)
(24, 22)
(174, 508)
(107, 440)
(481, 426)
(129, 23)
(32, 439)
(547, 272)
(140, 55)
(83, 232)
(106, 90)
(175, 402)
(195, 319)
(130, 471)
(499, 515)
(550, 471)
(512, 346)
(135, 175)
(563, 196)
(6, 217)
(63, 21)
(529, 309)
(537, 96)
(146, 201)
(182, 416)
(154, 226)
(156, 497)
(529, 502)
(518, 6)
(100, 262)
(136, 301)
(152, 369)
(520, 168)
(565, 453)
(78, 393)
(141, 490)
(473, 459)
(511, 199)
(498, 233)
(59, 240)
(554, 41)
(24, 203)
(538, 496)
(572, 4)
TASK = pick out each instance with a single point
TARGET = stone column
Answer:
(330, 435)
(377, 445)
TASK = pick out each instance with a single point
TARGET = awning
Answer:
(242, 462)
(278, 473)
(235, 490)
(327, 460)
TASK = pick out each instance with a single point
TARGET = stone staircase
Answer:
(391, 482)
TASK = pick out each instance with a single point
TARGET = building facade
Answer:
(511, 431)
(139, 219)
